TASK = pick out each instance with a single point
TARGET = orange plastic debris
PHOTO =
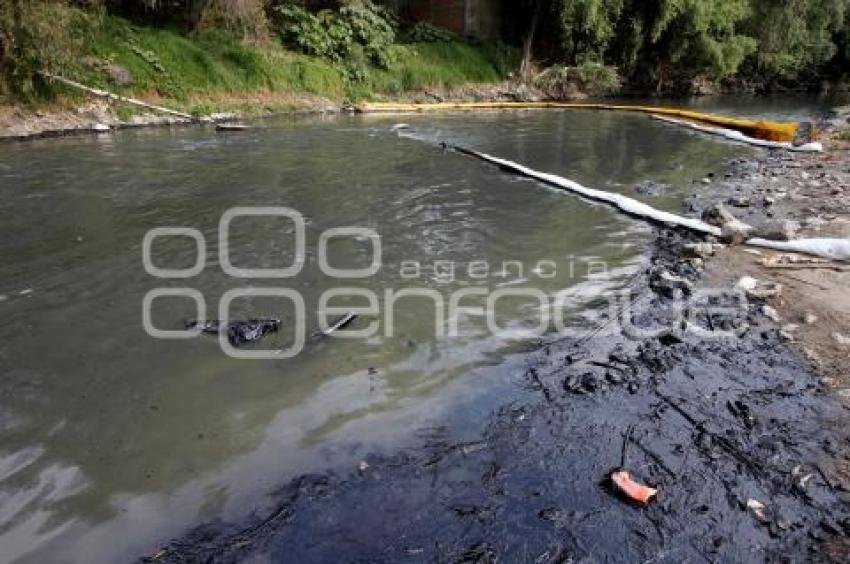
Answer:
(631, 489)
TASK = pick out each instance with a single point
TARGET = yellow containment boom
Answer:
(759, 129)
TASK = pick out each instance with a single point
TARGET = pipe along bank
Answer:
(770, 134)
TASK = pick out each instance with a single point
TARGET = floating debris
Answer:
(650, 188)
(238, 332)
(336, 325)
(231, 127)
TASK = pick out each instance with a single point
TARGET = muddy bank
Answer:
(739, 431)
(806, 196)
(97, 116)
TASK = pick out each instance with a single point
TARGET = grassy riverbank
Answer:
(217, 71)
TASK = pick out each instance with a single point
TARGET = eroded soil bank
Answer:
(743, 434)
(98, 116)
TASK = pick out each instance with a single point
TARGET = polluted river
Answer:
(116, 439)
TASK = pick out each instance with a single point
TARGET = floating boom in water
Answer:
(833, 249)
(734, 135)
(778, 132)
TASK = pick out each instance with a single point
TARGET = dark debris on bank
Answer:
(738, 436)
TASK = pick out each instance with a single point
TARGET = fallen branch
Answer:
(794, 262)
(116, 97)
(813, 266)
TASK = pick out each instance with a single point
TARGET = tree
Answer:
(528, 41)
(587, 28)
(11, 39)
(195, 11)
(659, 38)
(17, 23)
(796, 35)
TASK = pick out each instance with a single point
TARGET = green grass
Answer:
(215, 70)
(176, 66)
(442, 64)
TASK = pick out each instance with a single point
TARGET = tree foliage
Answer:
(797, 35)
(646, 41)
(358, 26)
(654, 35)
(716, 38)
(587, 28)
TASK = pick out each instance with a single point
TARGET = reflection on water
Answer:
(792, 107)
(112, 442)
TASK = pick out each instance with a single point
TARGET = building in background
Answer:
(479, 19)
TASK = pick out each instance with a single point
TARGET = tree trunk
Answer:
(194, 12)
(17, 26)
(5, 40)
(528, 43)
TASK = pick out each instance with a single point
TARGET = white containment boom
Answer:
(833, 249)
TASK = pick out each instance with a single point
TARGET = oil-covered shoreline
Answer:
(745, 435)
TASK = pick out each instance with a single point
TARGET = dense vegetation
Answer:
(654, 40)
(179, 49)
(232, 54)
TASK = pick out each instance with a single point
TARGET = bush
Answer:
(372, 27)
(424, 32)
(359, 26)
(590, 78)
(505, 58)
(46, 42)
(438, 65)
(307, 33)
